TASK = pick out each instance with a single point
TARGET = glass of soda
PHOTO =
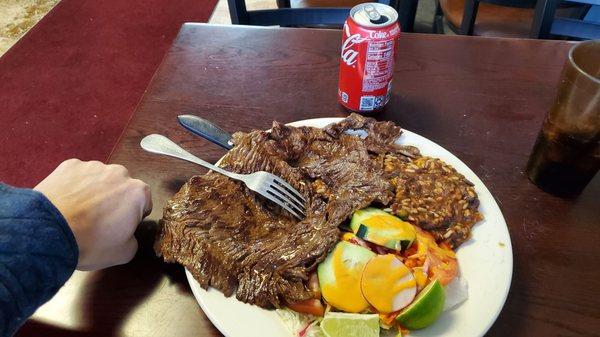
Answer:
(566, 155)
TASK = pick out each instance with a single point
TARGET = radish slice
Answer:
(387, 284)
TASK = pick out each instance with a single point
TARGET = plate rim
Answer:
(510, 262)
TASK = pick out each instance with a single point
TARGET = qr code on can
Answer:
(367, 103)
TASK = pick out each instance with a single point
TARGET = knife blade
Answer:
(206, 129)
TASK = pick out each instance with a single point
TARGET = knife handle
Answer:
(205, 129)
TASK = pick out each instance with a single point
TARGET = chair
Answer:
(545, 23)
(285, 15)
(505, 18)
(502, 18)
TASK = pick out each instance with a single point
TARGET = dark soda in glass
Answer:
(563, 163)
(566, 155)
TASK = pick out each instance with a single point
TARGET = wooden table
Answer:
(483, 99)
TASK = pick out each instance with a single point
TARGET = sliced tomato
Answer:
(411, 250)
(311, 306)
(442, 267)
(440, 259)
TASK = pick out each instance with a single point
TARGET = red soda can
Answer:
(367, 57)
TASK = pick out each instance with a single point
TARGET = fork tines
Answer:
(292, 200)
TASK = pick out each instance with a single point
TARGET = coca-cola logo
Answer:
(349, 54)
(378, 35)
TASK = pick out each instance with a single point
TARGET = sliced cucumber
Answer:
(381, 228)
(340, 274)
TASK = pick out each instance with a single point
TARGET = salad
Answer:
(384, 276)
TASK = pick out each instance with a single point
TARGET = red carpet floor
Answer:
(69, 87)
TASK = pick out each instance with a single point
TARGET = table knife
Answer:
(207, 130)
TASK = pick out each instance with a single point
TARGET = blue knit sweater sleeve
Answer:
(38, 253)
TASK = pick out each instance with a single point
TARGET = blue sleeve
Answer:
(38, 253)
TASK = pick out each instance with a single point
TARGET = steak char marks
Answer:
(230, 238)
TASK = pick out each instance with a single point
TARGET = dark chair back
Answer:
(471, 7)
(308, 16)
(545, 24)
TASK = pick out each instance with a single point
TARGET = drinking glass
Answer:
(566, 155)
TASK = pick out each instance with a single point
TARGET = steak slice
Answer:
(231, 239)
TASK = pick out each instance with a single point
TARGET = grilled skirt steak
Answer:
(231, 239)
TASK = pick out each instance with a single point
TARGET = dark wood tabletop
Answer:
(483, 99)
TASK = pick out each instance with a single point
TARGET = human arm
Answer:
(82, 216)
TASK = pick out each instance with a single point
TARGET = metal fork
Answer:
(264, 183)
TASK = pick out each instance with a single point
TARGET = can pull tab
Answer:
(372, 13)
(374, 16)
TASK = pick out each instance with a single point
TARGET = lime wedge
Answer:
(338, 324)
(425, 309)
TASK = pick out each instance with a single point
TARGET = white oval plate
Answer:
(485, 261)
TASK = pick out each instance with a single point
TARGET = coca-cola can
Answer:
(367, 57)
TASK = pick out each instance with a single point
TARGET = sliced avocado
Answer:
(381, 228)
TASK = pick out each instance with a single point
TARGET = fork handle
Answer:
(162, 145)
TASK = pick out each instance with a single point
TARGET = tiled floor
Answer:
(18, 16)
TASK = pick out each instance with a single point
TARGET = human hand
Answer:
(103, 206)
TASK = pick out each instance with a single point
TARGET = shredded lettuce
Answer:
(314, 330)
(300, 325)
